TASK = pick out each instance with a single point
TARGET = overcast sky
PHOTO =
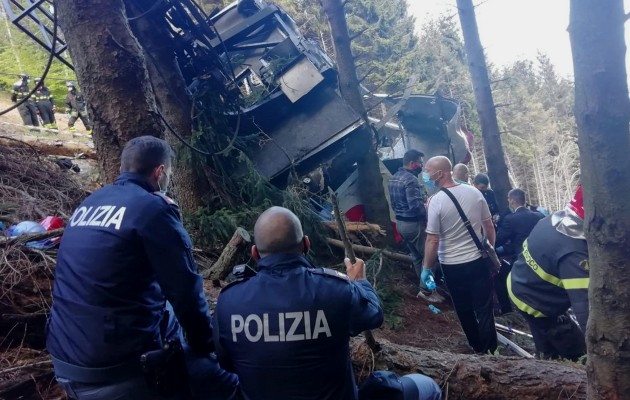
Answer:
(515, 29)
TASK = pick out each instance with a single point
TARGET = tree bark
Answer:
(370, 179)
(169, 87)
(112, 73)
(493, 149)
(473, 377)
(602, 112)
(222, 268)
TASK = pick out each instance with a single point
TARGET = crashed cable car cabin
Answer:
(290, 94)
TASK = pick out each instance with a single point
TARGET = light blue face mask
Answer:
(428, 183)
(164, 189)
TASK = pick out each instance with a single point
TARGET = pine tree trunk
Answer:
(493, 149)
(169, 88)
(602, 111)
(370, 179)
(112, 74)
(470, 377)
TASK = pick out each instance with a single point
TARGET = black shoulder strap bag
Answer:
(485, 248)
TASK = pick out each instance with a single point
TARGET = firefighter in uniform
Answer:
(77, 108)
(125, 260)
(45, 105)
(27, 110)
(550, 276)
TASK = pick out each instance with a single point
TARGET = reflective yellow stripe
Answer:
(569, 283)
(575, 283)
(521, 306)
(547, 277)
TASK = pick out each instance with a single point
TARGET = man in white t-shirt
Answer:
(467, 276)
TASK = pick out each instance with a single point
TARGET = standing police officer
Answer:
(124, 253)
(27, 109)
(45, 105)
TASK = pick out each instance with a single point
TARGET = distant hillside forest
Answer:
(534, 104)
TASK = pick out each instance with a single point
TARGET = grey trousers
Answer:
(414, 235)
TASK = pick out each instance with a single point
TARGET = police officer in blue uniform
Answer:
(124, 253)
(286, 330)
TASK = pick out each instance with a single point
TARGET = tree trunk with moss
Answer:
(602, 111)
(111, 69)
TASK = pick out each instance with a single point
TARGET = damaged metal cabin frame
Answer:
(288, 84)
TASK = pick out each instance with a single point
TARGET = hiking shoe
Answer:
(430, 296)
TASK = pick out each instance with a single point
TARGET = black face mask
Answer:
(416, 171)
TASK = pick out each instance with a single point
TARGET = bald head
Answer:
(439, 170)
(460, 171)
(278, 230)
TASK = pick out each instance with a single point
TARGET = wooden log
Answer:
(358, 227)
(472, 377)
(223, 266)
(372, 250)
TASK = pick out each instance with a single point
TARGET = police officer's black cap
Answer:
(386, 385)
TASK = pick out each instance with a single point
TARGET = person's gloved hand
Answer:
(426, 276)
(500, 250)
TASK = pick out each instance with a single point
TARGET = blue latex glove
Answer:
(500, 250)
(426, 276)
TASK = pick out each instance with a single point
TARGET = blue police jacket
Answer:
(285, 332)
(124, 251)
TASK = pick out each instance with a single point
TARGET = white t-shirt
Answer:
(456, 245)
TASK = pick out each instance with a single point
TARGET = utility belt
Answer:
(163, 369)
(115, 373)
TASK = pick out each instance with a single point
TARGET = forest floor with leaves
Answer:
(33, 186)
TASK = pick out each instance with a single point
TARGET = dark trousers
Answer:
(470, 286)
(45, 108)
(500, 288)
(556, 337)
(74, 115)
(28, 113)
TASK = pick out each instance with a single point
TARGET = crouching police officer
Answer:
(123, 255)
(286, 330)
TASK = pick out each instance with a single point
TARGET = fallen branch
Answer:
(31, 365)
(222, 268)
(358, 227)
(31, 237)
(372, 250)
(475, 377)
